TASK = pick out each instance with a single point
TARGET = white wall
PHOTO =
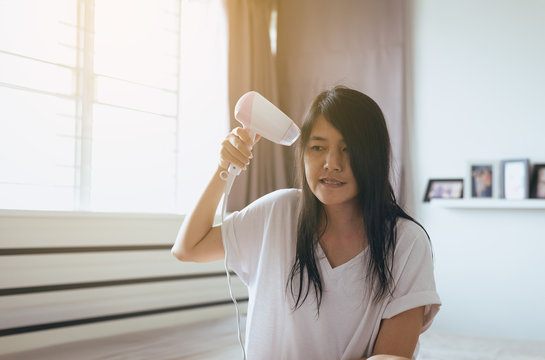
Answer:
(476, 89)
(48, 230)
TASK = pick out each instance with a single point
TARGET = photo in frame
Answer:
(444, 189)
(482, 178)
(515, 179)
(537, 184)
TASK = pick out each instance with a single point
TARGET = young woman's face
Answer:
(327, 165)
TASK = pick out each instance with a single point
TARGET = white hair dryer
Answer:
(259, 116)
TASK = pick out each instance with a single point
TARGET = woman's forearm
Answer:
(199, 222)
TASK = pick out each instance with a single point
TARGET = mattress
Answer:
(217, 339)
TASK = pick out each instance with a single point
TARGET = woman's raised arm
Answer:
(198, 240)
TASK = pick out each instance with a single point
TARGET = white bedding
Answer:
(216, 339)
(435, 345)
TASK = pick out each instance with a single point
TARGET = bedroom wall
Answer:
(475, 90)
(70, 276)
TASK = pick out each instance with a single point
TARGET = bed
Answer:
(216, 339)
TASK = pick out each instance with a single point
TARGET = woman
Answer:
(336, 270)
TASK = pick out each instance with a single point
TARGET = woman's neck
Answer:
(343, 219)
(344, 236)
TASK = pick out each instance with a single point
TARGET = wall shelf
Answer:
(525, 204)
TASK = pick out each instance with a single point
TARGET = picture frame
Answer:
(482, 179)
(537, 184)
(444, 189)
(515, 179)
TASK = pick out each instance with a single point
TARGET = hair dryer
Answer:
(259, 116)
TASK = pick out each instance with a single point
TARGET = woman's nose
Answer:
(333, 161)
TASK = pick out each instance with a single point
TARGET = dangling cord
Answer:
(230, 178)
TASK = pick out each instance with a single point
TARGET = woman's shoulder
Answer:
(279, 196)
(277, 199)
(410, 227)
(284, 194)
(410, 234)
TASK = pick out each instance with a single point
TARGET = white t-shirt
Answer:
(261, 243)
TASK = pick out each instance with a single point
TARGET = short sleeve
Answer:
(414, 282)
(244, 232)
(240, 231)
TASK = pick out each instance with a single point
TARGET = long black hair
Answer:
(361, 122)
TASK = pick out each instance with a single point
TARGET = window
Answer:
(105, 105)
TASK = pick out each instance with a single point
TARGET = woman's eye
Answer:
(316, 148)
(345, 150)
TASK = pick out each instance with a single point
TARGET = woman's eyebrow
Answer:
(319, 138)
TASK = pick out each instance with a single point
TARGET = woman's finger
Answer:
(236, 149)
(243, 146)
(237, 155)
(231, 155)
(245, 136)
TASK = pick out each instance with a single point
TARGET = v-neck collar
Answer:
(323, 259)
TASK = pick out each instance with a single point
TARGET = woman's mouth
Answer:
(331, 182)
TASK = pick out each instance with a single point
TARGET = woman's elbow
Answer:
(178, 254)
